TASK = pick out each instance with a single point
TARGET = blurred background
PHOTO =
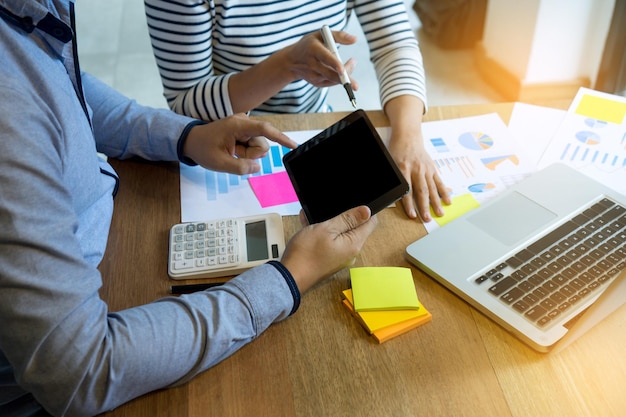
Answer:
(475, 51)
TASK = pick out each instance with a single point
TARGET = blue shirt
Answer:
(60, 346)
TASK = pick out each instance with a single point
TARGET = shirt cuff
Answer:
(181, 143)
(291, 283)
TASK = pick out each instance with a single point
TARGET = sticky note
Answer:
(273, 189)
(376, 320)
(601, 108)
(387, 333)
(369, 319)
(461, 204)
(383, 288)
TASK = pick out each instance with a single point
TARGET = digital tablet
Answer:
(344, 166)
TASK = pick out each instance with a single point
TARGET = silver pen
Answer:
(329, 41)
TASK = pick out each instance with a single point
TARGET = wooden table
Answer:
(320, 362)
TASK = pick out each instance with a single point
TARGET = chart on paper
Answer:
(475, 155)
(477, 158)
(220, 184)
(592, 138)
(207, 195)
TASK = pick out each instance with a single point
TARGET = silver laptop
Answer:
(546, 259)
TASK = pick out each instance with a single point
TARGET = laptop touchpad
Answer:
(511, 219)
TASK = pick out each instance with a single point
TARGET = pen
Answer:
(189, 288)
(329, 41)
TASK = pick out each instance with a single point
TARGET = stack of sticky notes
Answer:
(384, 301)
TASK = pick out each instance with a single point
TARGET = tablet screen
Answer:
(344, 166)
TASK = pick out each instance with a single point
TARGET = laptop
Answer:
(545, 259)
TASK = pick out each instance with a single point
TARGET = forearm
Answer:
(405, 117)
(123, 128)
(191, 85)
(394, 49)
(104, 360)
(250, 88)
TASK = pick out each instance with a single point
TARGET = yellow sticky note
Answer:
(461, 204)
(383, 288)
(601, 108)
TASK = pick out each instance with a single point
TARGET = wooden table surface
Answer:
(320, 362)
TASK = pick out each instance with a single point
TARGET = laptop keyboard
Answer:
(565, 267)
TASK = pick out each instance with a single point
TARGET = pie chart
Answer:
(481, 187)
(595, 123)
(588, 138)
(476, 141)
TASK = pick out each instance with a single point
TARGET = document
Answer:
(477, 157)
(592, 138)
(209, 195)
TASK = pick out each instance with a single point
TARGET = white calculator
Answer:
(224, 247)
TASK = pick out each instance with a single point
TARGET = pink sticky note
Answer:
(273, 189)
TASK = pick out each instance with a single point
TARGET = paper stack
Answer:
(384, 301)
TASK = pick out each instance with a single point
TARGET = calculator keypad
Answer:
(204, 246)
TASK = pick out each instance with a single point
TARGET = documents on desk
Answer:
(566, 230)
(592, 138)
(478, 156)
(467, 152)
(481, 156)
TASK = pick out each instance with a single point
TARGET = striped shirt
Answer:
(199, 44)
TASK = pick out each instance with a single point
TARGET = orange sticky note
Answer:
(380, 319)
(388, 332)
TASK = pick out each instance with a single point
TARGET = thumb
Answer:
(239, 166)
(344, 38)
(352, 219)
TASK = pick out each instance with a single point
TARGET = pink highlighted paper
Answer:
(273, 189)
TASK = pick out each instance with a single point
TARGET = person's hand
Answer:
(406, 146)
(309, 59)
(232, 144)
(319, 250)
(425, 186)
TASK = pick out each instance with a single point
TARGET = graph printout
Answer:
(475, 155)
(592, 138)
(210, 195)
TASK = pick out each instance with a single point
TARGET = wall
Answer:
(543, 48)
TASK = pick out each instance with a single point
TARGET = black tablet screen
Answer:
(343, 167)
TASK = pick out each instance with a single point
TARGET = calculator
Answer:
(224, 247)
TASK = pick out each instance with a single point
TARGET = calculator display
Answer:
(256, 241)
